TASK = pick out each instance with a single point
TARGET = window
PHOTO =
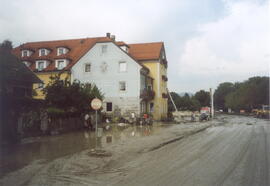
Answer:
(87, 67)
(109, 106)
(151, 107)
(163, 55)
(122, 86)
(60, 51)
(122, 66)
(104, 49)
(24, 53)
(60, 64)
(41, 65)
(42, 52)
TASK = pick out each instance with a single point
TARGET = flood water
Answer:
(48, 148)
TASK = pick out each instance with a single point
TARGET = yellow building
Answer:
(153, 56)
(45, 77)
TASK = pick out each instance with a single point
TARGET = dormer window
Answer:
(61, 63)
(41, 64)
(43, 52)
(61, 51)
(26, 53)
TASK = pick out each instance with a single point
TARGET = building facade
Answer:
(153, 56)
(132, 77)
(120, 77)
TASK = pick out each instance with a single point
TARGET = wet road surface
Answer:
(48, 148)
(235, 153)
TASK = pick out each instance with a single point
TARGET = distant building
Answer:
(132, 77)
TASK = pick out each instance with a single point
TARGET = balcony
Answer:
(147, 94)
(164, 78)
(164, 95)
(164, 62)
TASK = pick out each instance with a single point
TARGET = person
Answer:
(86, 121)
(192, 116)
(132, 117)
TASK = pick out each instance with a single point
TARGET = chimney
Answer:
(108, 34)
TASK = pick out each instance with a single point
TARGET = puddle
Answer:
(48, 148)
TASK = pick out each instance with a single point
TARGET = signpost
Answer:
(96, 105)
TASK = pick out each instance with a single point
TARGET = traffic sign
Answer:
(96, 104)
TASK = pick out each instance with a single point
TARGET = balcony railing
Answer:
(147, 94)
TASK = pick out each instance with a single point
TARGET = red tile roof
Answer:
(77, 48)
(146, 51)
(121, 43)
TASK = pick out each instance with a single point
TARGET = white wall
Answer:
(108, 81)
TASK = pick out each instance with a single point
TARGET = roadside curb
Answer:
(176, 139)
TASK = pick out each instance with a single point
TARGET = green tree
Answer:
(176, 98)
(249, 94)
(221, 92)
(73, 98)
(203, 97)
(183, 103)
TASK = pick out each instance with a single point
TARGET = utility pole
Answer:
(172, 100)
(212, 103)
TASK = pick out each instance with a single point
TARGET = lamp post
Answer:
(212, 103)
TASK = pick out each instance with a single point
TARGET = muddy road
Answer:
(230, 150)
(235, 153)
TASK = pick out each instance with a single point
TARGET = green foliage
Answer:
(249, 94)
(221, 92)
(183, 103)
(61, 95)
(55, 112)
(203, 97)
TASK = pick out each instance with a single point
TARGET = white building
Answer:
(120, 77)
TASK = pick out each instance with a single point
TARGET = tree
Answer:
(249, 94)
(222, 91)
(183, 103)
(63, 97)
(203, 97)
(6, 45)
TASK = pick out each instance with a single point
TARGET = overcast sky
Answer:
(207, 41)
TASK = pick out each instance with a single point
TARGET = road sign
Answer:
(96, 104)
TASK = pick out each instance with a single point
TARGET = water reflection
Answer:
(52, 147)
